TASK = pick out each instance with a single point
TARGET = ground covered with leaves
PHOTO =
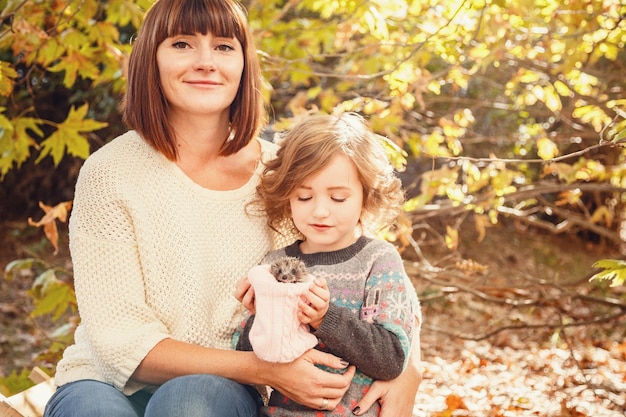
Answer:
(512, 325)
(524, 379)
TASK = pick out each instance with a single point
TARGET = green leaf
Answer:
(14, 382)
(19, 264)
(51, 295)
(55, 301)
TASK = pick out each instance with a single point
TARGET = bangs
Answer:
(220, 18)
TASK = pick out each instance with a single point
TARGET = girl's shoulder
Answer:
(381, 246)
(274, 255)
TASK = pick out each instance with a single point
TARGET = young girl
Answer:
(332, 183)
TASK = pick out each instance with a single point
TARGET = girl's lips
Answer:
(320, 227)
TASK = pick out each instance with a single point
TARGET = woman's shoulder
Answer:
(124, 159)
(128, 149)
(126, 142)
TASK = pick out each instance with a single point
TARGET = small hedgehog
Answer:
(288, 269)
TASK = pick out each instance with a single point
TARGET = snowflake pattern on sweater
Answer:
(370, 321)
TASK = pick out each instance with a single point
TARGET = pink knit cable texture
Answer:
(276, 334)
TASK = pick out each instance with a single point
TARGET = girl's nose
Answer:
(320, 210)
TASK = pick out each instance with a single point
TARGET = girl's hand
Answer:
(309, 385)
(314, 303)
(244, 293)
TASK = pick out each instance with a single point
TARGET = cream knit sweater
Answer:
(155, 256)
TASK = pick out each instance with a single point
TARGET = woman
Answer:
(159, 236)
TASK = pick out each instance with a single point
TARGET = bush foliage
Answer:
(495, 109)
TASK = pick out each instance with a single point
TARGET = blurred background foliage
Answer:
(496, 110)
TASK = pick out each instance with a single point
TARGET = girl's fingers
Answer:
(244, 293)
(241, 287)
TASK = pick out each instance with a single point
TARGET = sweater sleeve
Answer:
(378, 341)
(241, 337)
(362, 344)
(109, 279)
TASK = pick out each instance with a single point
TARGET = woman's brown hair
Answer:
(145, 108)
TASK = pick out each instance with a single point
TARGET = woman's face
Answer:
(200, 74)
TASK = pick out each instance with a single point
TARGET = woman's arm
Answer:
(300, 380)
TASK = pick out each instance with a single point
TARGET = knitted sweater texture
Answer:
(155, 256)
(370, 321)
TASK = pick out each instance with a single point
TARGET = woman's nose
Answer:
(205, 59)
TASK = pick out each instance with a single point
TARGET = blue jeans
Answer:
(186, 396)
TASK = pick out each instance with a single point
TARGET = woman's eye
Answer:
(303, 198)
(338, 200)
(225, 48)
(180, 45)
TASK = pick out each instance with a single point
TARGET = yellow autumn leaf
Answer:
(69, 136)
(7, 78)
(452, 238)
(569, 197)
(546, 149)
(48, 221)
(551, 99)
(602, 215)
(481, 223)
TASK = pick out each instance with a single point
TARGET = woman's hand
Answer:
(314, 303)
(244, 293)
(308, 385)
(397, 396)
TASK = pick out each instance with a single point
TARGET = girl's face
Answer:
(326, 207)
(200, 74)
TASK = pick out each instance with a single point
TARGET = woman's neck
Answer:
(201, 162)
(200, 137)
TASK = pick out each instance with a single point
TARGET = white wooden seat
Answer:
(31, 402)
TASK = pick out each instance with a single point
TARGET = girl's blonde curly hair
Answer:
(308, 147)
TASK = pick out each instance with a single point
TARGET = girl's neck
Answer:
(306, 248)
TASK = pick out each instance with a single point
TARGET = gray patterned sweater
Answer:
(369, 323)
